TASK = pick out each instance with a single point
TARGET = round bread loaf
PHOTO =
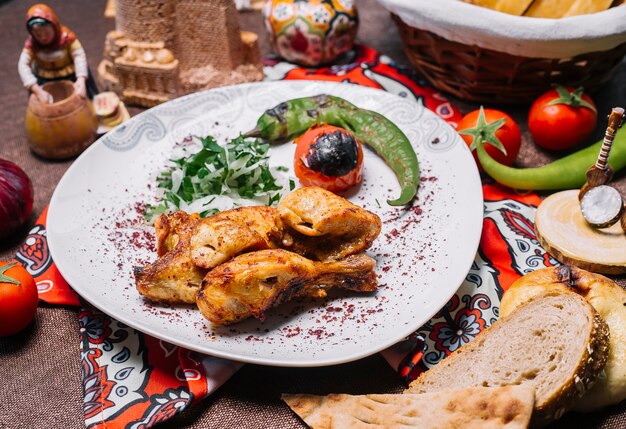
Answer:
(555, 342)
(608, 298)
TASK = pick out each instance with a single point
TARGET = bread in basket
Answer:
(479, 54)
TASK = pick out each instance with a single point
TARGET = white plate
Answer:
(97, 235)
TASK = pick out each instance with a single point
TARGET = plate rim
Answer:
(146, 329)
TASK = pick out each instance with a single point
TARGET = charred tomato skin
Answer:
(329, 157)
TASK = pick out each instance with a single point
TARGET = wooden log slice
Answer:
(564, 233)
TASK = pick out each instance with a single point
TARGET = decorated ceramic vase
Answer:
(311, 32)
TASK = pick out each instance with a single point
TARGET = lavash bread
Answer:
(608, 298)
(513, 7)
(507, 407)
(555, 342)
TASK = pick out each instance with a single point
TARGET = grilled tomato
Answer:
(328, 157)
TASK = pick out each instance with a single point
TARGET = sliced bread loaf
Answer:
(508, 407)
(609, 300)
(556, 342)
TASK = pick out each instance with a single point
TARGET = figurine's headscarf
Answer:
(40, 13)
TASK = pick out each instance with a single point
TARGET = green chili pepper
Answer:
(566, 173)
(292, 118)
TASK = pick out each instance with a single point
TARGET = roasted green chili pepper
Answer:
(294, 117)
(566, 173)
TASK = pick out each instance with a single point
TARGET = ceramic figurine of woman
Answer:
(52, 52)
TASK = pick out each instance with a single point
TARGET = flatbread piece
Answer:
(513, 7)
(563, 8)
(507, 407)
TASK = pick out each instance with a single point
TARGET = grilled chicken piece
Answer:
(326, 227)
(169, 227)
(189, 246)
(214, 241)
(251, 283)
(173, 278)
(229, 233)
(263, 220)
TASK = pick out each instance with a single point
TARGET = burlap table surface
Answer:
(40, 384)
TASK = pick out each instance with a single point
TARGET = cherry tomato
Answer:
(562, 118)
(328, 157)
(492, 126)
(18, 298)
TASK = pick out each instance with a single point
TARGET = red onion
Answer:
(16, 198)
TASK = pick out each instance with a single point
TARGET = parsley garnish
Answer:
(207, 178)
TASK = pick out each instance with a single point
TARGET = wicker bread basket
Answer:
(481, 55)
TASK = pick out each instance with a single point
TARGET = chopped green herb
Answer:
(205, 177)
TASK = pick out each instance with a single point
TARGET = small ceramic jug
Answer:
(311, 32)
(63, 128)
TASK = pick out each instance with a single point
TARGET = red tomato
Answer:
(508, 133)
(562, 118)
(18, 298)
(328, 157)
